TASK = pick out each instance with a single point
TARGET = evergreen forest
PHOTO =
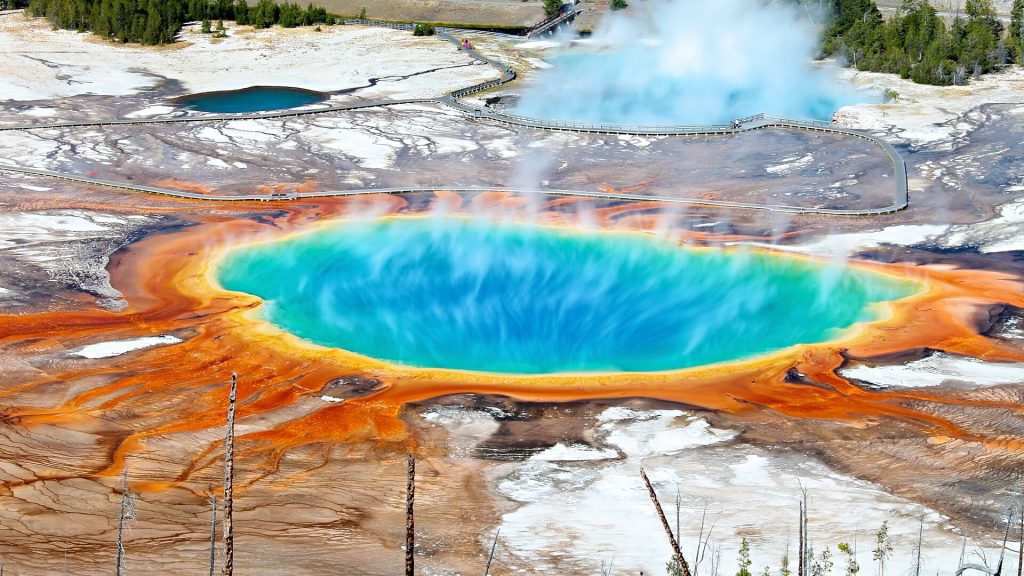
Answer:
(918, 44)
(160, 21)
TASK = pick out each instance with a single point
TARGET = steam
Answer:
(692, 62)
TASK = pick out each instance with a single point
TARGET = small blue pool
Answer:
(252, 99)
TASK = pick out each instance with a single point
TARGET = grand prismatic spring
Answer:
(533, 261)
(496, 297)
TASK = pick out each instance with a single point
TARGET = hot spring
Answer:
(475, 294)
(693, 62)
(252, 99)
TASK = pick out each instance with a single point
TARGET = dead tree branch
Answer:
(1006, 538)
(984, 568)
(683, 566)
(410, 498)
(1017, 507)
(804, 564)
(800, 544)
(229, 480)
(917, 551)
(213, 533)
(127, 513)
(487, 569)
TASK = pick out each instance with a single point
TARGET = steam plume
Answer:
(692, 62)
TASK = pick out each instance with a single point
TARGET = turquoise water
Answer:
(499, 297)
(254, 99)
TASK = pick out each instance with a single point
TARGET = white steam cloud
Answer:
(692, 62)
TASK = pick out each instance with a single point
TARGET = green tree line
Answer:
(160, 21)
(917, 44)
(266, 13)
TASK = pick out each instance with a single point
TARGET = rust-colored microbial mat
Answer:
(179, 391)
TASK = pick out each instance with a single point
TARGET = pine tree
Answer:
(883, 547)
(852, 567)
(785, 569)
(265, 14)
(743, 558)
(154, 28)
(822, 565)
(241, 12)
(197, 9)
(916, 43)
(976, 9)
(145, 21)
(1017, 29)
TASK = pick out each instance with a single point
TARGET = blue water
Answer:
(254, 99)
(500, 297)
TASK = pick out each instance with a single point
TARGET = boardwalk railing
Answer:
(553, 22)
(527, 121)
(278, 197)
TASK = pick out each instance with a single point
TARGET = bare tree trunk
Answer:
(679, 504)
(213, 533)
(716, 560)
(1006, 538)
(487, 569)
(684, 568)
(807, 536)
(410, 524)
(699, 555)
(229, 480)
(801, 544)
(607, 570)
(1020, 541)
(920, 540)
(963, 553)
(127, 512)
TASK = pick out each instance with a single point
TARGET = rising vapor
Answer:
(692, 62)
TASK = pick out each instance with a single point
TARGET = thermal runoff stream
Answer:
(475, 294)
